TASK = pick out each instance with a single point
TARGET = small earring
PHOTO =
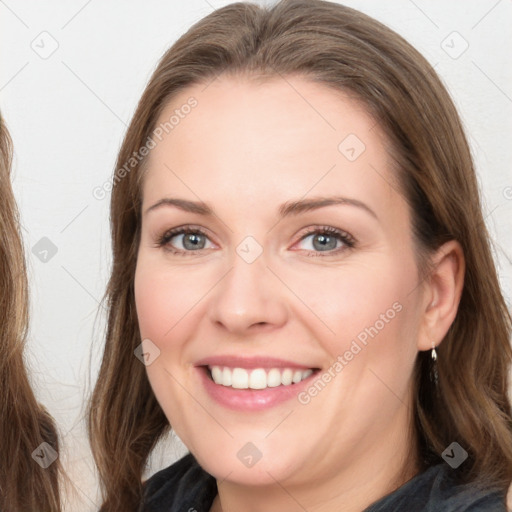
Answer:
(434, 376)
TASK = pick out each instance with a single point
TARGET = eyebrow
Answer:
(285, 210)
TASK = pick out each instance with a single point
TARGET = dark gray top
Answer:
(185, 487)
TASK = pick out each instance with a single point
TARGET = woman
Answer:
(301, 263)
(29, 467)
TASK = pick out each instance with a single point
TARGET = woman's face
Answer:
(297, 257)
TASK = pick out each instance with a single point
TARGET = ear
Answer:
(442, 291)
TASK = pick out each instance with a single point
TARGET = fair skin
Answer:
(245, 150)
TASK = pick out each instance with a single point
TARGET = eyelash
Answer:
(347, 239)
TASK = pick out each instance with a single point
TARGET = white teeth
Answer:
(226, 377)
(259, 378)
(239, 378)
(286, 377)
(306, 374)
(273, 378)
(297, 376)
(217, 375)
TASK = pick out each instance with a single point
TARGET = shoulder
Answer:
(437, 489)
(182, 486)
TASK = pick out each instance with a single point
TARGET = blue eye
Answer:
(189, 239)
(327, 239)
(318, 240)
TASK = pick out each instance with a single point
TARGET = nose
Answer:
(248, 299)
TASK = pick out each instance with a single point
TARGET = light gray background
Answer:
(68, 111)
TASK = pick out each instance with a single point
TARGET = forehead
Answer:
(236, 110)
(284, 136)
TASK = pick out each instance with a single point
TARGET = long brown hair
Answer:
(348, 51)
(25, 486)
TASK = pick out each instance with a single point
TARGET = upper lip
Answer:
(250, 362)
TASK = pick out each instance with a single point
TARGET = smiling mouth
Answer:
(257, 378)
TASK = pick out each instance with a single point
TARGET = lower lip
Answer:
(251, 399)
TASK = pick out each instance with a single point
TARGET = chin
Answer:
(265, 471)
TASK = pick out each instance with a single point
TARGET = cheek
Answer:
(164, 297)
(153, 301)
(365, 308)
(365, 320)
(165, 302)
(349, 299)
